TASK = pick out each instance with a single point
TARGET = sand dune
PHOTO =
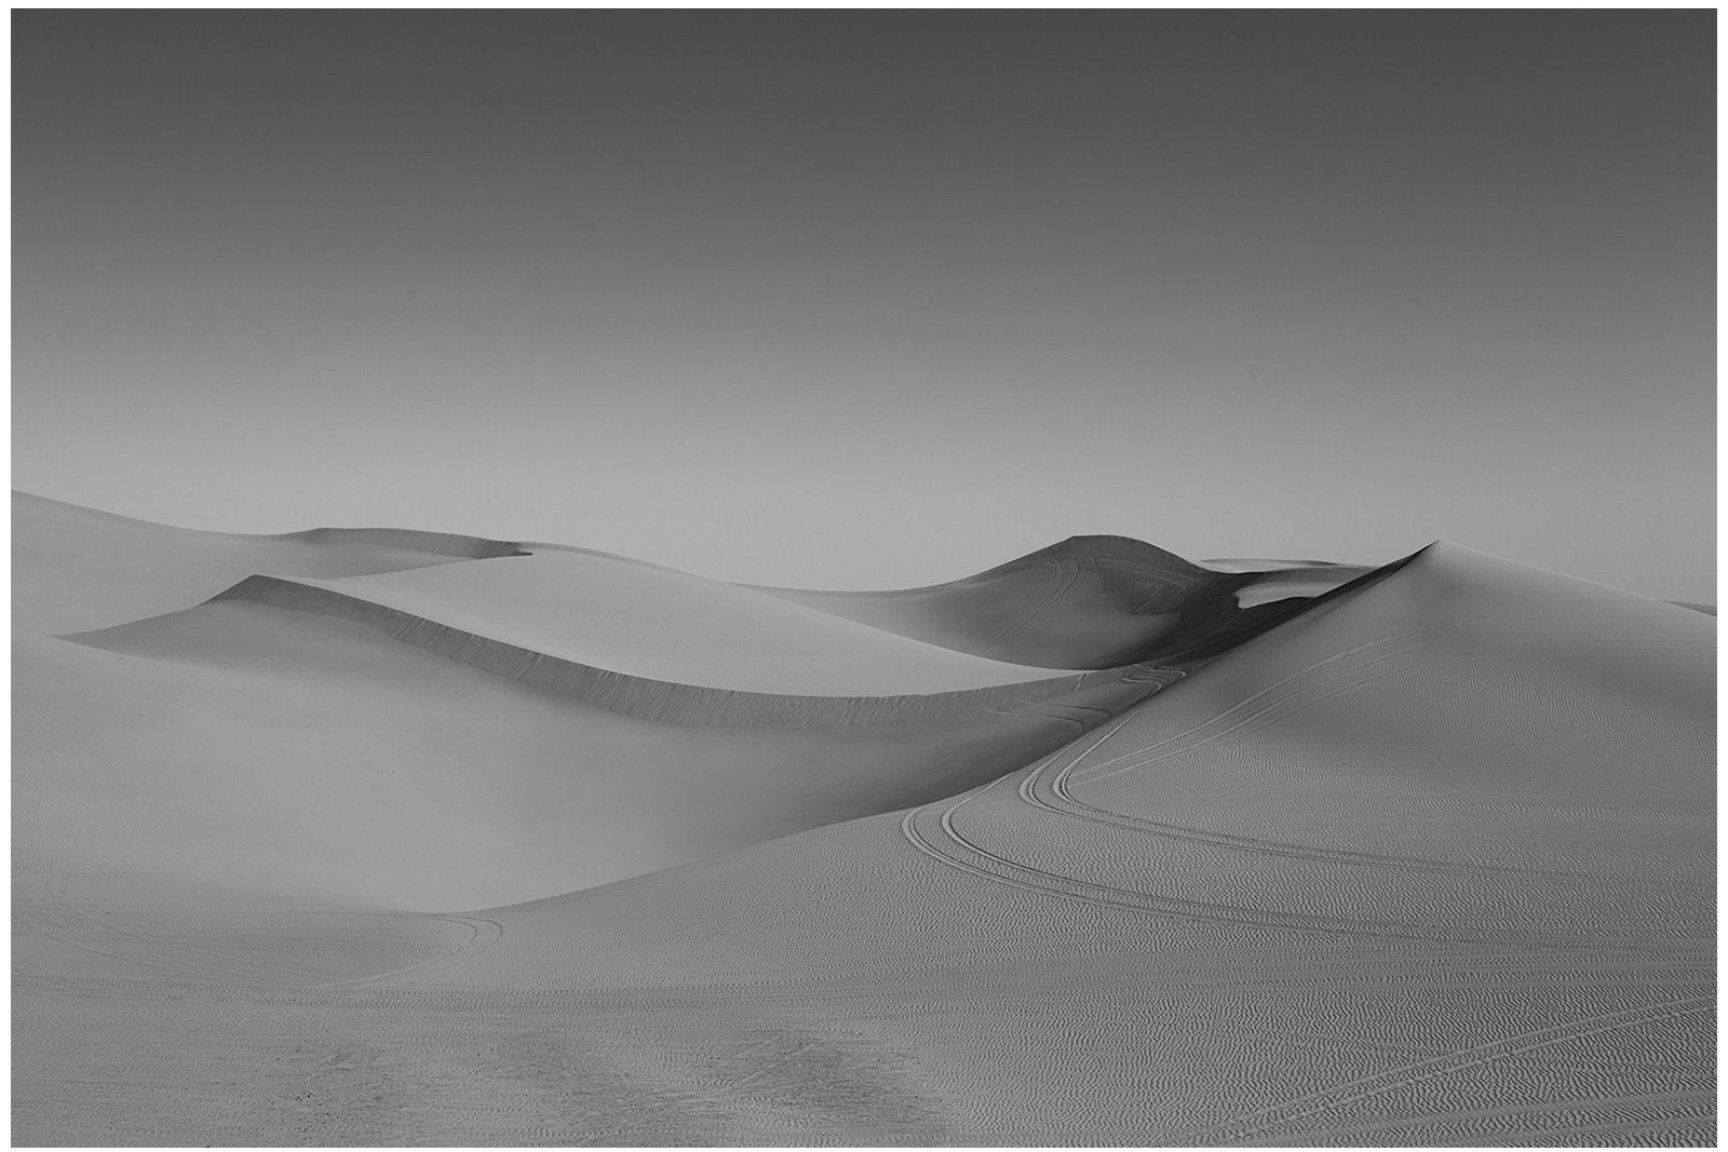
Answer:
(513, 850)
(1090, 602)
(329, 738)
(226, 625)
(357, 716)
(75, 569)
(648, 621)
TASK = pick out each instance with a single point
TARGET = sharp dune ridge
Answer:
(366, 836)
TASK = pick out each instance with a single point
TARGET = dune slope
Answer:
(1423, 855)
(1432, 863)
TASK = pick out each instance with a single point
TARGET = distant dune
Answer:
(74, 569)
(1088, 602)
(389, 837)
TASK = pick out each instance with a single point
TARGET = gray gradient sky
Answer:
(867, 299)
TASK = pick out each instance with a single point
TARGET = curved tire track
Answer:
(484, 932)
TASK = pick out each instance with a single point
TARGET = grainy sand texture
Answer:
(399, 837)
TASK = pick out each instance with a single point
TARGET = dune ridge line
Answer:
(660, 700)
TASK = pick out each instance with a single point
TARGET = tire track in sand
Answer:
(931, 829)
(1042, 789)
(1054, 792)
(1000, 869)
(484, 932)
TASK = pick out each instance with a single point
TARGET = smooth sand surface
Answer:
(1426, 859)
(75, 569)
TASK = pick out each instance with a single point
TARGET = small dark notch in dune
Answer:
(410, 540)
(1212, 635)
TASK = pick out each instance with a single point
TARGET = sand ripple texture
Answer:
(1424, 857)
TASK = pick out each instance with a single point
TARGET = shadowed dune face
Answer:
(1098, 847)
(1088, 602)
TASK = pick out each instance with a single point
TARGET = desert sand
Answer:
(383, 836)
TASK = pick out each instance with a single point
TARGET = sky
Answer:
(870, 298)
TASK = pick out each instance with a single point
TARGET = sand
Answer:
(76, 569)
(1088, 602)
(1413, 855)
(647, 621)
